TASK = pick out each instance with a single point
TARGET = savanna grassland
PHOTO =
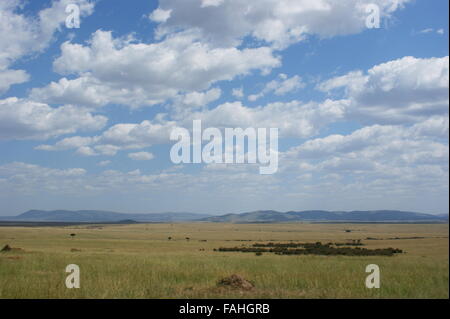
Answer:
(139, 261)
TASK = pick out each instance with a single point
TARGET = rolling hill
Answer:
(270, 216)
(262, 216)
(96, 216)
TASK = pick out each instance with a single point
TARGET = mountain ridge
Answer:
(260, 216)
(271, 216)
(99, 216)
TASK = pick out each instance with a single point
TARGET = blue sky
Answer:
(86, 113)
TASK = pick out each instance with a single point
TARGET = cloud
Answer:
(22, 35)
(238, 92)
(198, 99)
(30, 179)
(374, 141)
(160, 15)
(141, 156)
(434, 127)
(25, 179)
(388, 162)
(52, 18)
(26, 119)
(276, 22)
(211, 3)
(33, 180)
(406, 90)
(124, 136)
(132, 73)
(294, 119)
(428, 30)
(184, 104)
(280, 86)
(15, 168)
(399, 165)
(74, 142)
(104, 163)
(431, 30)
(10, 77)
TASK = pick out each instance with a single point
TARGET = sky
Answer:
(86, 111)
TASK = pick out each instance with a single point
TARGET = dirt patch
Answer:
(14, 257)
(236, 282)
(6, 248)
(74, 250)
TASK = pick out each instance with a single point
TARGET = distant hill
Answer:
(270, 216)
(96, 216)
(262, 216)
(444, 216)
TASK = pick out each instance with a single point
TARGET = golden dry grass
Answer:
(138, 261)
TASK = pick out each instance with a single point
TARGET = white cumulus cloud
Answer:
(113, 70)
(406, 90)
(22, 35)
(277, 22)
(26, 119)
(141, 156)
